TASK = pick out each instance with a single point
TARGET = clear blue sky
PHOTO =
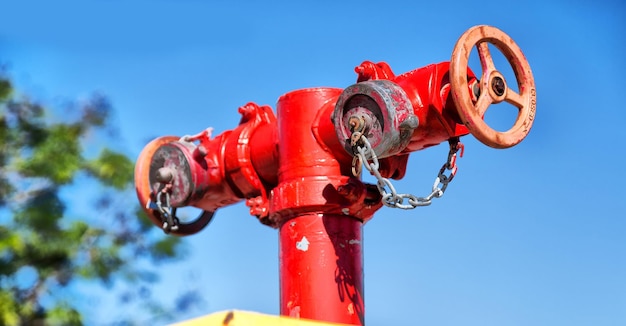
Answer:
(532, 235)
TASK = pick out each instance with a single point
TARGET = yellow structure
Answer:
(246, 318)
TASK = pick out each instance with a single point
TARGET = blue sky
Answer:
(532, 235)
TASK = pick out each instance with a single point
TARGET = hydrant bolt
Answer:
(164, 175)
(354, 123)
(200, 152)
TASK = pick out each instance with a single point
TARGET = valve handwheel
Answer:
(146, 193)
(493, 86)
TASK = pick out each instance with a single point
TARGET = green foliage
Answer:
(5, 89)
(112, 169)
(64, 314)
(165, 248)
(41, 212)
(40, 159)
(9, 311)
(60, 142)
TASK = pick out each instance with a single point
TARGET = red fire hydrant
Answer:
(299, 171)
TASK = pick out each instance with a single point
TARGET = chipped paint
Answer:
(294, 312)
(303, 244)
(351, 308)
(354, 241)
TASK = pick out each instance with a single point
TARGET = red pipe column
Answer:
(321, 260)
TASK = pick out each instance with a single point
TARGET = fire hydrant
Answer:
(299, 171)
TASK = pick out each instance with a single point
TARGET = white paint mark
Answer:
(345, 211)
(294, 312)
(354, 241)
(303, 244)
(351, 308)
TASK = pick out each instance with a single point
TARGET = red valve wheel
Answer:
(493, 86)
(146, 194)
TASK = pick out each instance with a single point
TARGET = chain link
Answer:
(168, 213)
(390, 197)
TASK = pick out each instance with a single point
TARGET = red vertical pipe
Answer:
(321, 268)
(321, 261)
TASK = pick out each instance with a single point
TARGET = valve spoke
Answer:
(486, 60)
(514, 98)
(484, 100)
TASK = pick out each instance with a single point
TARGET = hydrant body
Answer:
(297, 170)
(320, 223)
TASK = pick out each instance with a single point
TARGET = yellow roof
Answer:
(246, 318)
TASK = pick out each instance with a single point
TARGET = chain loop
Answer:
(390, 197)
(168, 213)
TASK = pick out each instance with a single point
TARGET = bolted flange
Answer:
(384, 109)
(171, 164)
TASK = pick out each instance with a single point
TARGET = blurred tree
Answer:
(45, 249)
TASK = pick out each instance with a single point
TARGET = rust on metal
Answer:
(493, 86)
(294, 170)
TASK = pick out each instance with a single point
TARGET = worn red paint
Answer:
(321, 273)
(294, 172)
(295, 175)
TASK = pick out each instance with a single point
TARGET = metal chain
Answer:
(168, 213)
(390, 197)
